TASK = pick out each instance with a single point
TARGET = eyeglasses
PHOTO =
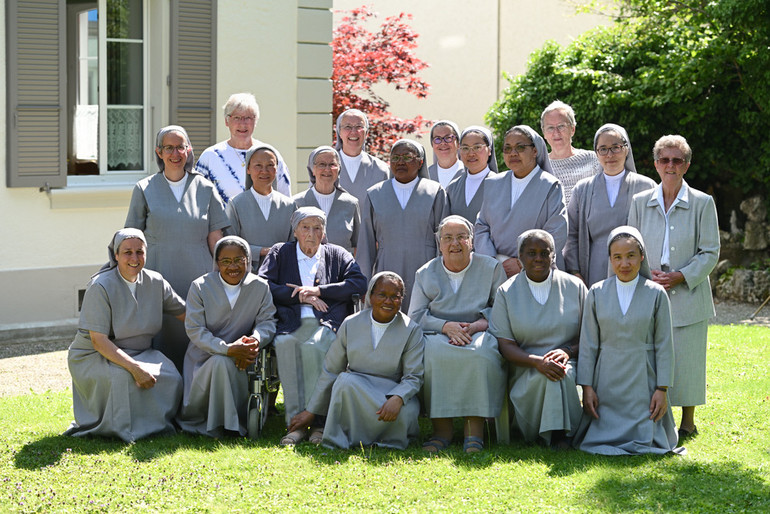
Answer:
(169, 149)
(326, 165)
(351, 128)
(383, 297)
(238, 119)
(474, 148)
(676, 161)
(226, 262)
(518, 148)
(604, 150)
(460, 238)
(407, 157)
(562, 127)
(446, 139)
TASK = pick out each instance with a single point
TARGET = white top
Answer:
(626, 292)
(473, 182)
(681, 196)
(456, 277)
(613, 186)
(264, 202)
(308, 267)
(324, 201)
(404, 191)
(232, 291)
(540, 290)
(378, 329)
(178, 187)
(445, 175)
(131, 285)
(518, 184)
(352, 164)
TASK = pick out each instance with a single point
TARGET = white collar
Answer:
(301, 255)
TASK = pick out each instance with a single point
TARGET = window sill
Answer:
(91, 197)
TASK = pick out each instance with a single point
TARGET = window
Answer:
(83, 105)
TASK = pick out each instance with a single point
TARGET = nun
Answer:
(600, 203)
(626, 360)
(400, 217)
(526, 197)
(182, 217)
(359, 169)
(445, 141)
(536, 318)
(371, 375)
(343, 217)
(451, 301)
(477, 152)
(230, 318)
(261, 215)
(121, 386)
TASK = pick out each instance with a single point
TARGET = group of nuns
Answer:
(485, 289)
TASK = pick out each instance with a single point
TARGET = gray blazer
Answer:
(694, 248)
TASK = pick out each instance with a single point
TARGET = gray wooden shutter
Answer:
(193, 70)
(36, 93)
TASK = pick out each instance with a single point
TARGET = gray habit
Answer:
(623, 357)
(455, 192)
(216, 392)
(357, 380)
(371, 171)
(105, 398)
(249, 223)
(396, 239)
(541, 205)
(459, 380)
(540, 405)
(433, 172)
(343, 220)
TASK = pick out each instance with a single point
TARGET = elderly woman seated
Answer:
(313, 284)
(230, 316)
(371, 375)
(536, 319)
(121, 387)
(451, 301)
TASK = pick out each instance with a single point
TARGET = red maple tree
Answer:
(362, 59)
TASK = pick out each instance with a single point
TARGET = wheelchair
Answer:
(263, 380)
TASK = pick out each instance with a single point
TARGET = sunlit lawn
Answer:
(727, 468)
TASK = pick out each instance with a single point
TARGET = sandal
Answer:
(293, 438)
(436, 444)
(686, 434)
(316, 435)
(473, 444)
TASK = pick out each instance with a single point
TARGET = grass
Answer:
(727, 468)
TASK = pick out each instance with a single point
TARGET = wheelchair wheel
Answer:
(255, 420)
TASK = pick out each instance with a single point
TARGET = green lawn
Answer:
(727, 468)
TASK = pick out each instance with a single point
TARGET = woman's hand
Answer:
(590, 402)
(390, 409)
(301, 421)
(558, 356)
(310, 295)
(511, 267)
(456, 332)
(668, 280)
(551, 368)
(244, 352)
(658, 405)
(142, 376)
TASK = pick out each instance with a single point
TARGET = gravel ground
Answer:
(39, 367)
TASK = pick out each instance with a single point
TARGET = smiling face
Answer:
(672, 172)
(241, 123)
(557, 130)
(262, 169)
(536, 258)
(326, 171)
(309, 234)
(231, 262)
(612, 163)
(130, 256)
(455, 244)
(523, 160)
(404, 171)
(386, 300)
(474, 152)
(173, 150)
(352, 133)
(626, 258)
(445, 152)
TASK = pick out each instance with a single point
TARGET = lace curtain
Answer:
(124, 138)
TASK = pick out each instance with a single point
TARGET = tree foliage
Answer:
(363, 59)
(698, 68)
